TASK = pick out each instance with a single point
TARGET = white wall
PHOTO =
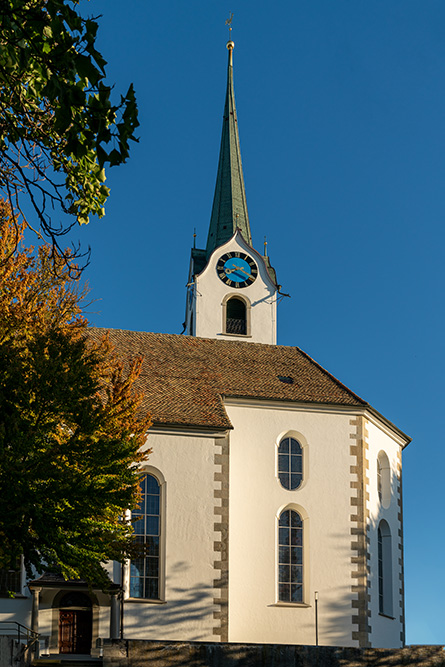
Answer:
(187, 464)
(210, 292)
(256, 499)
(385, 631)
(17, 610)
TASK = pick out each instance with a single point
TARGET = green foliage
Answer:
(70, 428)
(58, 127)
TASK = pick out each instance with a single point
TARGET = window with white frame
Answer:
(290, 557)
(385, 568)
(146, 518)
(290, 463)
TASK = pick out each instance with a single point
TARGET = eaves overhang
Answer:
(70, 584)
(190, 430)
(365, 410)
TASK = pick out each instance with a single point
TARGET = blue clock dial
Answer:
(236, 269)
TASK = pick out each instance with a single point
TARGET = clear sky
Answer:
(341, 109)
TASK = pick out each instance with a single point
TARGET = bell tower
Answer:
(232, 289)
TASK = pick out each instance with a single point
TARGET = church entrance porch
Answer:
(71, 618)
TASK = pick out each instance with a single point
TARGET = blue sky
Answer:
(341, 109)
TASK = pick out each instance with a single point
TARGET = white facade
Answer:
(220, 492)
(209, 296)
(387, 508)
(256, 501)
(184, 464)
(326, 501)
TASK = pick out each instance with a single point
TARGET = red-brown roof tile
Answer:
(184, 378)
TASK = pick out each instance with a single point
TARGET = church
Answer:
(272, 500)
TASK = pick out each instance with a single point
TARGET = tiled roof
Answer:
(184, 378)
(57, 580)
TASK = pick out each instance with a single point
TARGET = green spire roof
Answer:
(229, 210)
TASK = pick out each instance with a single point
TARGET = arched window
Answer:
(236, 320)
(290, 463)
(290, 557)
(384, 479)
(385, 568)
(145, 567)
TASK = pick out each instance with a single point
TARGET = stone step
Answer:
(71, 660)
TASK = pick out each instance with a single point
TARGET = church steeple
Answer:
(229, 210)
(231, 289)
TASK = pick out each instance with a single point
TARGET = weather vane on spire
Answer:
(229, 23)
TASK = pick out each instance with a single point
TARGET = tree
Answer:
(58, 127)
(71, 426)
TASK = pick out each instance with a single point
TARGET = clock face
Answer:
(236, 269)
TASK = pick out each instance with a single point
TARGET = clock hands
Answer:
(236, 268)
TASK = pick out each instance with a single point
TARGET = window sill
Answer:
(235, 335)
(302, 605)
(145, 601)
(393, 618)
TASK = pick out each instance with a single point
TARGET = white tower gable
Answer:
(216, 297)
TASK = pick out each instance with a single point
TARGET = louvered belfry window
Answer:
(236, 317)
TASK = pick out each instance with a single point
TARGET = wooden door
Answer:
(75, 631)
(66, 632)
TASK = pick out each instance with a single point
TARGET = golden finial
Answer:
(265, 247)
(194, 237)
(230, 44)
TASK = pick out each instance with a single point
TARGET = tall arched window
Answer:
(384, 479)
(144, 568)
(236, 320)
(290, 463)
(290, 557)
(385, 568)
